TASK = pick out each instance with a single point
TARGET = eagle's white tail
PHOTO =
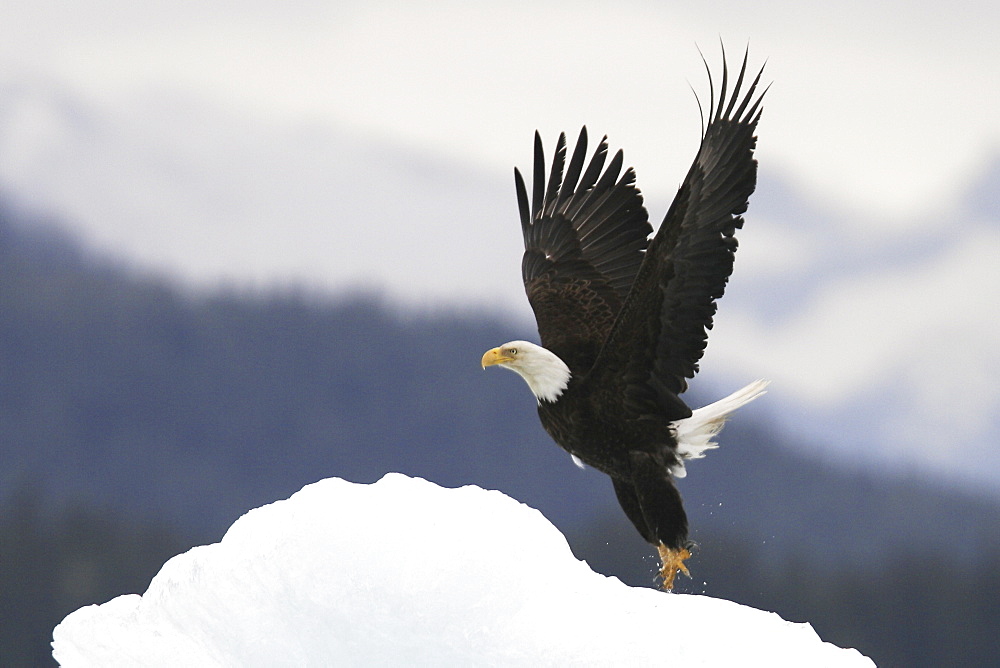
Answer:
(694, 434)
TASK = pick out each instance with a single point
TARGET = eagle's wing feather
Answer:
(584, 237)
(661, 331)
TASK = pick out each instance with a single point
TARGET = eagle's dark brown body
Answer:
(625, 450)
(604, 440)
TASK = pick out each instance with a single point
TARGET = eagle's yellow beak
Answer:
(495, 356)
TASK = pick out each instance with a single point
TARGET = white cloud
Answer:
(861, 328)
(861, 110)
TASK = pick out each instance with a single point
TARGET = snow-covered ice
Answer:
(404, 572)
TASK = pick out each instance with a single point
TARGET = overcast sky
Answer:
(883, 105)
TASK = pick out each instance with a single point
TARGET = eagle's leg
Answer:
(672, 561)
(662, 514)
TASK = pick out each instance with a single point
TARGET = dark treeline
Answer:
(137, 421)
(54, 562)
(906, 608)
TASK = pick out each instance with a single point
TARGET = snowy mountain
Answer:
(405, 572)
(878, 334)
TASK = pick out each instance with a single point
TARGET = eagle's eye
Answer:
(513, 351)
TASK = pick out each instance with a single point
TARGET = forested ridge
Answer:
(137, 419)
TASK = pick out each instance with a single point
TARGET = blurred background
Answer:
(248, 245)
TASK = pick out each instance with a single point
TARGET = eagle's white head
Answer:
(547, 375)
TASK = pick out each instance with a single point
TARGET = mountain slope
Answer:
(121, 392)
(862, 322)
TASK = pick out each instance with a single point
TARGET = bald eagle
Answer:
(623, 319)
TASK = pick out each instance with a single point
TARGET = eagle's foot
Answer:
(671, 561)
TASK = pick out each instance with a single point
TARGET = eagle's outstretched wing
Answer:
(662, 330)
(584, 237)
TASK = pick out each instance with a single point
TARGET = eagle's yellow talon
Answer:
(672, 561)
